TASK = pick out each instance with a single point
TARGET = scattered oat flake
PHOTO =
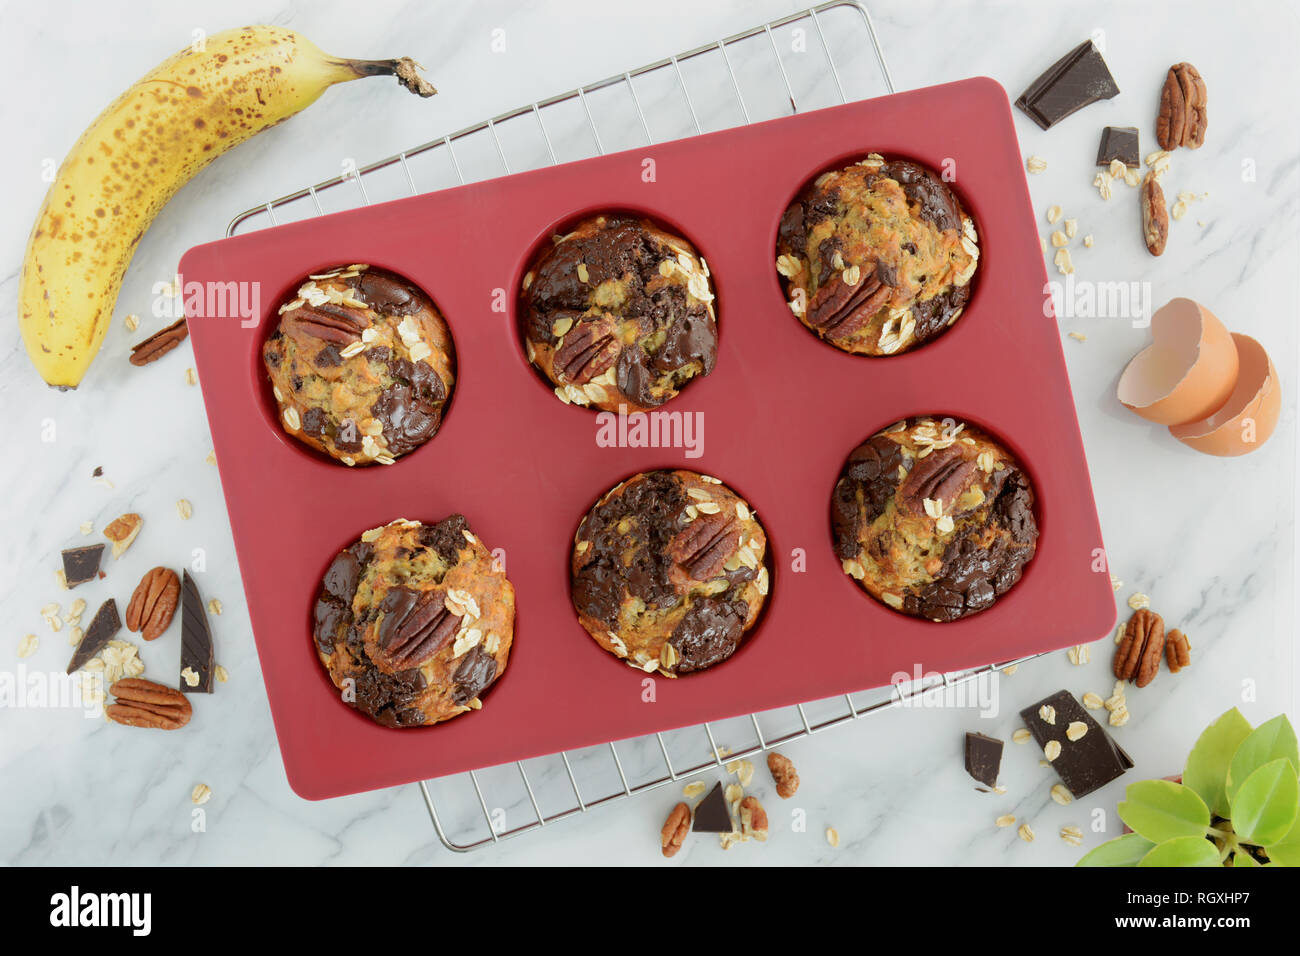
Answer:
(1061, 795)
(1035, 164)
(191, 377)
(1072, 835)
(184, 509)
(1092, 701)
(27, 646)
(214, 607)
(1071, 227)
(87, 527)
(1011, 670)
(1115, 583)
(1053, 214)
(132, 322)
(1078, 336)
(1005, 820)
(212, 457)
(201, 794)
(832, 836)
(1179, 210)
(1088, 240)
(693, 790)
(1026, 833)
(1139, 601)
(1022, 736)
(222, 674)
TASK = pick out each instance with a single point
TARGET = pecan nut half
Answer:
(753, 819)
(784, 775)
(839, 309)
(675, 829)
(1182, 120)
(586, 350)
(142, 703)
(1155, 217)
(329, 323)
(415, 626)
(154, 602)
(159, 344)
(940, 476)
(704, 545)
(1137, 658)
(1178, 651)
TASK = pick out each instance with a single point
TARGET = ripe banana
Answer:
(130, 162)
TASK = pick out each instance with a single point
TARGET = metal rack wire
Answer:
(726, 83)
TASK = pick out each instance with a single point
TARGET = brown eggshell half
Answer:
(1249, 416)
(1188, 371)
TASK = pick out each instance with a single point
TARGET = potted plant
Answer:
(1237, 803)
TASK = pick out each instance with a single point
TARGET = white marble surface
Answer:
(1212, 541)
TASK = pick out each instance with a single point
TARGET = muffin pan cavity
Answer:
(774, 420)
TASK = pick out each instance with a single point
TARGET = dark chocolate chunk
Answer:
(1086, 764)
(712, 815)
(474, 675)
(196, 639)
(983, 758)
(98, 472)
(1119, 142)
(1076, 80)
(102, 628)
(709, 633)
(82, 564)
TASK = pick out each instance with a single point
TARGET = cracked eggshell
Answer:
(1188, 371)
(1250, 414)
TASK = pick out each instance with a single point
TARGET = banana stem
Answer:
(405, 69)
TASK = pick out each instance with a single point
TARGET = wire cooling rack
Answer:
(823, 56)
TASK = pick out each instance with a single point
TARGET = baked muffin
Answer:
(362, 365)
(619, 312)
(934, 518)
(878, 257)
(668, 571)
(419, 617)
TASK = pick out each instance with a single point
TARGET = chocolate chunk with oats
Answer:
(196, 641)
(82, 564)
(983, 758)
(103, 628)
(1085, 763)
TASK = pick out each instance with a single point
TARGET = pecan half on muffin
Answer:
(619, 312)
(877, 258)
(361, 365)
(414, 622)
(668, 571)
(934, 518)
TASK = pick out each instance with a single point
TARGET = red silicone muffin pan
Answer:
(780, 413)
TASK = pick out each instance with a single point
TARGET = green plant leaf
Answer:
(1242, 858)
(1286, 852)
(1124, 850)
(1161, 810)
(1206, 770)
(1182, 851)
(1269, 741)
(1265, 805)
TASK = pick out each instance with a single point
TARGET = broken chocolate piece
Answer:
(983, 758)
(1119, 142)
(1087, 763)
(196, 641)
(1076, 80)
(82, 564)
(103, 627)
(712, 815)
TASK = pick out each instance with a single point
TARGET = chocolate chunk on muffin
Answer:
(877, 258)
(668, 571)
(934, 518)
(361, 365)
(619, 312)
(419, 618)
